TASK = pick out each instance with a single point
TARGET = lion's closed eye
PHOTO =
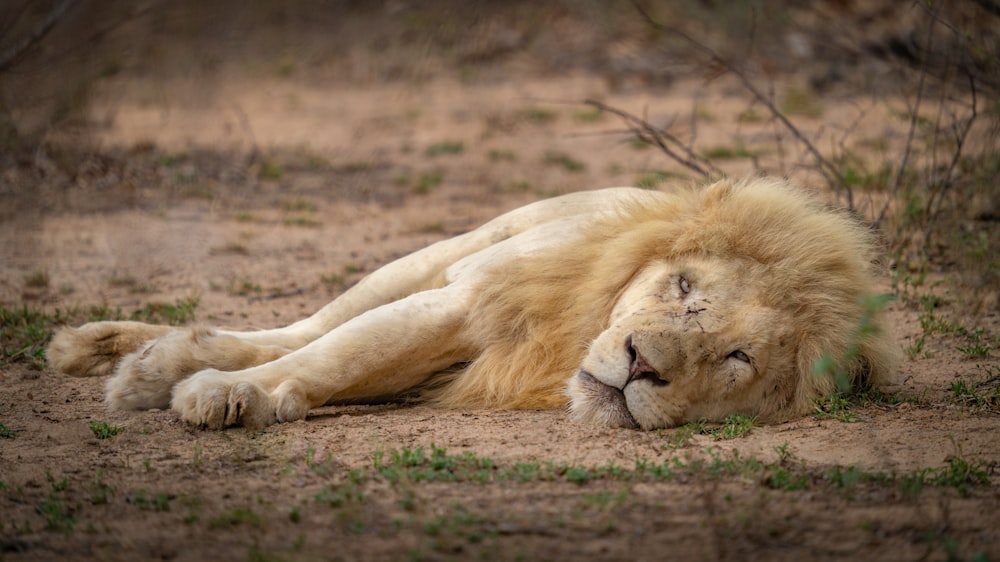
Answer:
(739, 356)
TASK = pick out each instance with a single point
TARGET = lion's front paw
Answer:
(215, 399)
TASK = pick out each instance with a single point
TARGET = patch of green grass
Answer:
(299, 204)
(102, 430)
(751, 116)
(801, 101)
(428, 181)
(301, 221)
(457, 524)
(37, 280)
(445, 148)
(681, 437)
(960, 473)
(333, 280)
(520, 185)
(6, 433)
(233, 517)
(591, 115)
(857, 176)
(733, 427)
(604, 499)
(565, 161)
(578, 474)
(23, 335)
(985, 394)
(976, 345)
(347, 493)
(356, 167)
(638, 143)
(270, 170)
(245, 288)
(498, 155)
(652, 179)
(436, 227)
(130, 283)
(416, 465)
(58, 516)
(538, 115)
(788, 474)
(728, 152)
(525, 471)
(100, 491)
(844, 477)
(781, 478)
(181, 311)
(25, 331)
(145, 502)
(838, 407)
(237, 248)
(324, 467)
(196, 190)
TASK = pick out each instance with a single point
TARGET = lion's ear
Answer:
(717, 192)
(868, 361)
(879, 356)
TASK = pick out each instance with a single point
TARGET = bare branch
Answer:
(898, 176)
(829, 171)
(9, 57)
(961, 133)
(667, 143)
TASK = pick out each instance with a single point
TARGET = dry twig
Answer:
(826, 168)
(669, 144)
(10, 57)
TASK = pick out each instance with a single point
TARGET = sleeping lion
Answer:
(630, 308)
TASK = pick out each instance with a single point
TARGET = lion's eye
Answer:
(740, 356)
(684, 285)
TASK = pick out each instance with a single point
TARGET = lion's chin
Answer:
(595, 402)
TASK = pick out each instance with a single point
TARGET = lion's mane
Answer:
(535, 318)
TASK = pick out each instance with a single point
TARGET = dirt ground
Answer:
(263, 194)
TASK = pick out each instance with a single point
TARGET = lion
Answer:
(629, 308)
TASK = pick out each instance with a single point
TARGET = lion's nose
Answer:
(638, 367)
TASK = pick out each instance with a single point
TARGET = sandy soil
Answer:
(265, 197)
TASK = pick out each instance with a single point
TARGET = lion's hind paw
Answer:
(96, 348)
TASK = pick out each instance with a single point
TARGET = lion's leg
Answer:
(149, 359)
(384, 351)
(145, 377)
(424, 269)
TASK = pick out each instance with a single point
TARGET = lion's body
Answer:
(666, 307)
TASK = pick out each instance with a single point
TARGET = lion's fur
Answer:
(535, 318)
(552, 304)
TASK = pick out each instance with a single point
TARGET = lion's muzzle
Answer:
(605, 401)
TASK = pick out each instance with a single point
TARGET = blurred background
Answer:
(887, 108)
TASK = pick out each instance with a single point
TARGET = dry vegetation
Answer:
(213, 162)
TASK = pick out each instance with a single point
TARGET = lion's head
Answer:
(674, 307)
(758, 284)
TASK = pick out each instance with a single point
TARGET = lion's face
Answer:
(696, 338)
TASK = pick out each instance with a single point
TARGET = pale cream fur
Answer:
(634, 308)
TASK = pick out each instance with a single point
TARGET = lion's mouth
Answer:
(609, 400)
